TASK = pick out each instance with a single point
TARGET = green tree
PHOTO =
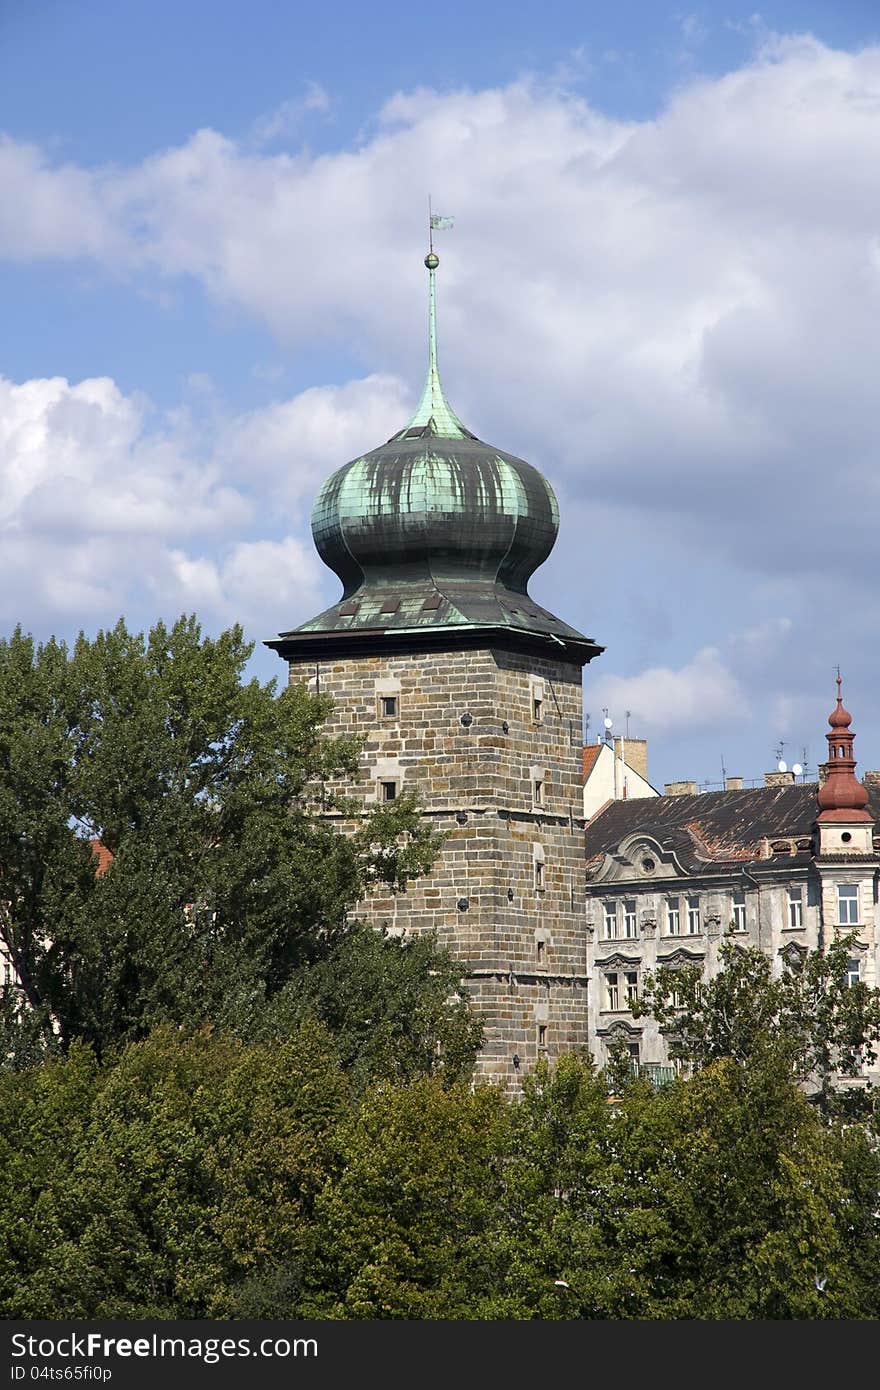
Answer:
(809, 1016)
(396, 1008)
(720, 1196)
(402, 1227)
(178, 1180)
(205, 789)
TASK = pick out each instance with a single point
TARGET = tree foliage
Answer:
(204, 788)
(199, 1176)
(809, 1017)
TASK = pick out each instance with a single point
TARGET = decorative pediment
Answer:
(676, 959)
(620, 1029)
(618, 962)
(639, 857)
(793, 953)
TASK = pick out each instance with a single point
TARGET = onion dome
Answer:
(841, 796)
(436, 531)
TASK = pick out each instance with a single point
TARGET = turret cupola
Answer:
(842, 796)
(436, 532)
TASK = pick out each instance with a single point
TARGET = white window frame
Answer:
(630, 920)
(612, 992)
(631, 986)
(738, 912)
(795, 907)
(848, 893)
(853, 971)
(695, 925)
(609, 910)
(673, 917)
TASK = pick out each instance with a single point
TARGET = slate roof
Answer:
(724, 827)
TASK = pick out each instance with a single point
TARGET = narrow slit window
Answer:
(542, 1035)
(388, 706)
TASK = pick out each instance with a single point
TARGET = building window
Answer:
(673, 917)
(853, 973)
(693, 916)
(538, 792)
(539, 951)
(542, 1035)
(795, 907)
(739, 912)
(631, 983)
(610, 921)
(612, 992)
(634, 1053)
(847, 904)
(388, 706)
(387, 791)
(629, 920)
(539, 875)
(536, 695)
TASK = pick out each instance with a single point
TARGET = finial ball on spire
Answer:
(432, 260)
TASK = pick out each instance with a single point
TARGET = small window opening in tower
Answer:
(539, 873)
(538, 792)
(539, 949)
(537, 707)
(387, 791)
(542, 1035)
(388, 706)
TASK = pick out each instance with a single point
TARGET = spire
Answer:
(434, 415)
(841, 796)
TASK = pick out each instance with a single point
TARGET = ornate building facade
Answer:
(786, 866)
(468, 691)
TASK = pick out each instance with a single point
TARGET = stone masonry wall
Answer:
(518, 928)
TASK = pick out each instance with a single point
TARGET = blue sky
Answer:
(662, 288)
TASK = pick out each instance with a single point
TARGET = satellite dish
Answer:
(609, 723)
(797, 769)
(782, 765)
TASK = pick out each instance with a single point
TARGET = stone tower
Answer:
(469, 692)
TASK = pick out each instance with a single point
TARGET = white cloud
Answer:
(683, 309)
(291, 446)
(286, 119)
(675, 318)
(105, 508)
(702, 694)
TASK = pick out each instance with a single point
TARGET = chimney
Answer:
(734, 784)
(634, 752)
(680, 789)
(778, 779)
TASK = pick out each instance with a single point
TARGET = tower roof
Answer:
(436, 531)
(842, 796)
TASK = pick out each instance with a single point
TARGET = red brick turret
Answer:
(841, 796)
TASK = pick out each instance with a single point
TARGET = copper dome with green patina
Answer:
(435, 531)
